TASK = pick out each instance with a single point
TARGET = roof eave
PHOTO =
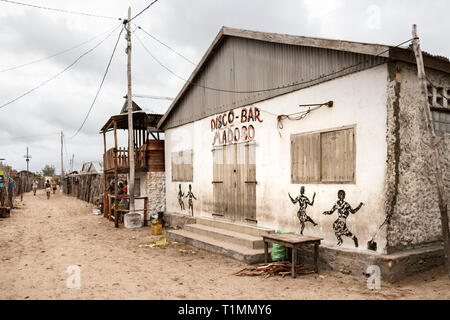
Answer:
(395, 53)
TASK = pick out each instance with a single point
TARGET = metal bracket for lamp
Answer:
(329, 104)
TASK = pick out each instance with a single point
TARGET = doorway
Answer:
(234, 182)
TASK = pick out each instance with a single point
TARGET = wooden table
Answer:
(292, 241)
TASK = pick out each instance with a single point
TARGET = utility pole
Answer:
(24, 189)
(27, 159)
(442, 196)
(130, 115)
(62, 163)
(71, 162)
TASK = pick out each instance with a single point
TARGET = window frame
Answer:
(320, 132)
(183, 179)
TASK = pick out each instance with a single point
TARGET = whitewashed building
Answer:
(265, 114)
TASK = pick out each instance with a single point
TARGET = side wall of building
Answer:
(153, 186)
(411, 189)
(359, 101)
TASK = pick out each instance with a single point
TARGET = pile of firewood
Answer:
(272, 269)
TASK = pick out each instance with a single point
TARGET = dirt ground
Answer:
(42, 238)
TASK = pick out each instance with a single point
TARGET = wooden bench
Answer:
(292, 241)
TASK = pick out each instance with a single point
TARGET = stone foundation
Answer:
(393, 267)
(177, 220)
(156, 192)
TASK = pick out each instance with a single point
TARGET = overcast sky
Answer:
(28, 34)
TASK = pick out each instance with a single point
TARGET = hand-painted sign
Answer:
(2, 178)
(235, 126)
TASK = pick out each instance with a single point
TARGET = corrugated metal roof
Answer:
(248, 61)
(149, 105)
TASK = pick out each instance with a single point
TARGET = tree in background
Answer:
(48, 170)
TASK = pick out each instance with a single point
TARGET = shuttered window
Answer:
(324, 157)
(305, 155)
(182, 166)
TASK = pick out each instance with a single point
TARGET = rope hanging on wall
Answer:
(302, 114)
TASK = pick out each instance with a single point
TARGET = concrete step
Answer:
(234, 226)
(241, 253)
(241, 239)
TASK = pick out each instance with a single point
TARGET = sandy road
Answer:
(44, 237)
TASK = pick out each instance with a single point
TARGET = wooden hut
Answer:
(149, 163)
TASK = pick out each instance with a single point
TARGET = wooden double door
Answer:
(234, 182)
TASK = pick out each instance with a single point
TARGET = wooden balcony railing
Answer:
(122, 158)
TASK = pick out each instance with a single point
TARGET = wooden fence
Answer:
(16, 184)
(86, 187)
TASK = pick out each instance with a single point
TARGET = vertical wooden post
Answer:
(62, 162)
(266, 251)
(116, 179)
(294, 260)
(442, 196)
(145, 210)
(105, 194)
(316, 257)
(130, 115)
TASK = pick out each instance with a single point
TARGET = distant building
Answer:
(92, 167)
(149, 184)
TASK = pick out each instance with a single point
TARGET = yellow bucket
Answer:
(156, 227)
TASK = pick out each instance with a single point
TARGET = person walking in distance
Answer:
(54, 185)
(303, 202)
(190, 195)
(48, 188)
(340, 225)
(34, 186)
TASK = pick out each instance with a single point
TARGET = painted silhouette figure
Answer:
(340, 225)
(303, 202)
(191, 195)
(180, 198)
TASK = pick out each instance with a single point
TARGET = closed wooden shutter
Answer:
(218, 183)
(305, 158)
(182, 166)
(234, 181)
(250, 183)
(338, 156)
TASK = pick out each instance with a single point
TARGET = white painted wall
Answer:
(142, 176)
(359, 99)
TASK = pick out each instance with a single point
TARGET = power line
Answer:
(159, 62)
(101, 84)
(53, 55)
(59, 73)
(142, 11)
(61, 10)
(167, 46)
(294, 84)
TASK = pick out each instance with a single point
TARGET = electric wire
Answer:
(59, 73)
(294, 84)
(157, 60)
(61, 10)
(53, 55)
(101, 85)
(143, 10)
(296, 116)
(165, 45)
